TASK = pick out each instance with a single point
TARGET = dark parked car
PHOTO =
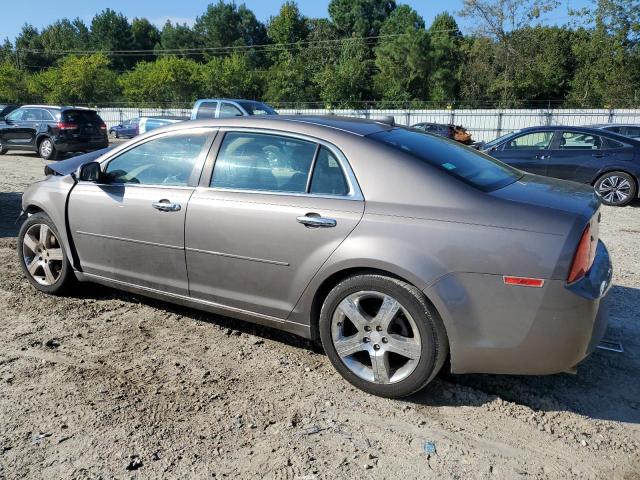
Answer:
(6, 109)
(127, 129)
(628, 130)
(52, 130)
(395, 249)
(608, 161)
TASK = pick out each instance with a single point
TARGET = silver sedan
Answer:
(395, 249)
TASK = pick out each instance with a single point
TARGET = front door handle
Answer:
(542, 157)
(313, 220)
(598, 155)
(165, 205)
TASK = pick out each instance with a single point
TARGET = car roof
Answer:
(577, 129)
(228, 100)
(605, 125)
(58, 107)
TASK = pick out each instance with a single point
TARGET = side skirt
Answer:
(211, 307)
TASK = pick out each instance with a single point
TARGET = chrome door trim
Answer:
(130, 240)
(355, 193)
(239, 257)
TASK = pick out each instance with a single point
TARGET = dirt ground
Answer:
(110, 385)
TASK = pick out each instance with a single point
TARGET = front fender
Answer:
(50, 196)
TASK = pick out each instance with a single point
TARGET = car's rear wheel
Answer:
(42, 255)
(616, 188)
(2, 149)
(382, 335)
(46, 149)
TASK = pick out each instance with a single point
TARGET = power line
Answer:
(227, 49)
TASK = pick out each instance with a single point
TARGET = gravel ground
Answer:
(110, 385)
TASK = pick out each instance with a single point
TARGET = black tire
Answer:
(434, 348)
(2, 149)
(61, 268)
(612, 186)
(47, 150)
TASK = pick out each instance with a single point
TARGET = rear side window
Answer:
(257, 108)
(633, 132)
(162, 161)
(472, 167)
(254, 161)
(228, 110)
(579, 141)
(328, 178)
(607, 143)
(81, 116)
(207, 110)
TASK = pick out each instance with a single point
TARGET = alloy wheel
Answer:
(46, 147)
(376, 337)
(614, 189)
(42, 254)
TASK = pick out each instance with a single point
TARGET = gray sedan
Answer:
(394, 249)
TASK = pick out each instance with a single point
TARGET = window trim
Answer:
(196, 174)
(561, 134)
(507, 141)
(354, 194)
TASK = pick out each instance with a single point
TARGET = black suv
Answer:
(6, 109)
(52, 130)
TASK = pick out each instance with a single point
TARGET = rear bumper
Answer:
(77, 145)
(497, 328)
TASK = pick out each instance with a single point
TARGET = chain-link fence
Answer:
(483, 124)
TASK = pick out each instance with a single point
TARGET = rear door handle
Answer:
(314, 220)
(542, 157)
(598, 155)
(165, 205)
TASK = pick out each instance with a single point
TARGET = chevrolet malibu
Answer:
(394, 249)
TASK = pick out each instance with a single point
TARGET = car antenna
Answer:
(387, 120)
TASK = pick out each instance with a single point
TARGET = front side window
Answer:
(472, 167)
(579, 141)
(32, 115)
(530, 141)
(163, 161)
(228, 110)
(207, 110)
(255, 161)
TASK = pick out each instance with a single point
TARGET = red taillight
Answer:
(583, 258)
(524, 281)
(67, 126)
(103, 126)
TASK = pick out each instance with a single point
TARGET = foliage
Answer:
(168, 79)
(367, 50)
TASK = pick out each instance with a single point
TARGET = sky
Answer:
(186, 11)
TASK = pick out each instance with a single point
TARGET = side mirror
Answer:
(90, 172)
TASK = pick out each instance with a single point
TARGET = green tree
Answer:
(145, 37)
(231, 76)
(111, 31)
(65, 35)
(288, 81)
(347, 82)
(13, 87)
(178, 37)
(288, 27)
(478, 72)
(77, 80)
(168, 79)
(226, 25)
(29, 49)
(361, 18)
(402, 58)
(446, 57)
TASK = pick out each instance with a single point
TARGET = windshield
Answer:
(496, 141)
(257, 108)
(472, 167)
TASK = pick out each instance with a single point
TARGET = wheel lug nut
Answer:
(384, 340)
(379, 328)
(367, 328)
(376, 347)
(366, 340)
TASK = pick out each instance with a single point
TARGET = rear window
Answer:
(257, 108)
(472, 167)
(81, 116)
(207, 110)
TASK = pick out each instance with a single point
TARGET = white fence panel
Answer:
(484, 124)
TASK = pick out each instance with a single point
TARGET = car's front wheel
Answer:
(42, 255)
(616, 188)
(46, 149)
(382, 335)
(3, 150)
